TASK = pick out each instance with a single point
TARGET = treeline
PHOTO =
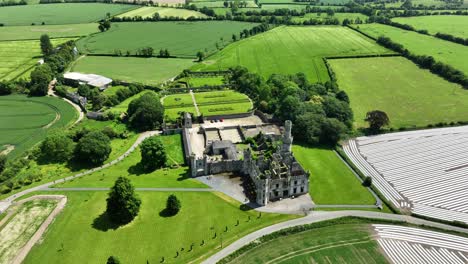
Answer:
(13, 3)
(428, 62)
(320, 112)
(452, 38)
(75, 1)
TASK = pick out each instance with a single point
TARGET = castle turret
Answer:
(287, 137)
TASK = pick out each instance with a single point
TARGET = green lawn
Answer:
(82, 229)
(174, 104)
(324, 16)
(453, 25)
(141, 70)
(123, 106)
(180, 38)
(202, 81)
(331, 181)
(149, 11)
(24, 121)
(445, 51)
(18, 57)
(56, 14)
(54, 31)
(340, 243)
(174, 149)
(289, 50)
(409, 95)
(223, 102)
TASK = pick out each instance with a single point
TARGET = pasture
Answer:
(54, 31)
(331, 181)
(180, 38)
(56, 14)
(445, 51)
(289, 50)
(83, 224)
(220, 4)
(324, 16)
(411, 97)
(453, 25)
(24, 121)
(150, 71)
(340, 243)
(149, 11)
(19, 56)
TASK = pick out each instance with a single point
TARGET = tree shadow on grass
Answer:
(137, 169)
(165, 213)
(103, 223)
(185, 175)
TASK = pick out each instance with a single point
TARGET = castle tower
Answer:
(187, 120)
(287, 137)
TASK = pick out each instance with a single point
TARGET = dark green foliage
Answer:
(41, 76)
(46, 45)
(3, 160)
(113, 260)
(367, 181)
(93, 148)
(377, 119)
(153, 154)
(123, 204)
(200, 55)
(173, 205)
(5, 88)
(56, 147)
(146, 112)
(84, 90)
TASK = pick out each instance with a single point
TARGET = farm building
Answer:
(94, 80)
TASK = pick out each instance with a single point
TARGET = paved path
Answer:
(5, 203)
(318, 216)
(51, 92)
(149, 189)
(195, 103)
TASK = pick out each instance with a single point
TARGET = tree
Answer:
(3, 160)
(200, 55)
(5, 88)
(146, 112)
(234, 37)
(332, 130)
(46, 45)
(153, 154)
(56, 147)
(377, 119)
(113, 260)
(123, 204)
(41, 77)
(172, 205)
(84, 90)
(367, 181)
(94, 148)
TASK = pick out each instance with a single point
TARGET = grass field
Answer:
(324, 16)
(19, 56)
(149, 11)
(54, 31)
(331, 181)
(123, 106)
(409, 95)
(180, 38)
(57, 14)
(82, 225)
(22, 226)
(174, 149)
(342, 243)
(289, 50)
(222, 102)
(141, 70)
(445, 51)
(176, 103)
(453, 25)
(202, 81)
(24, 121)
(214, 4)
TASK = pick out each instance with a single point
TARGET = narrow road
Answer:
(195, 103)
(51, 92)
(5, 203)
(318, 216)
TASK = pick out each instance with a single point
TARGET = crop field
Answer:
(149, 11)
(180, 38)
(212, 4)
(151, 71)
(55, 14)
(54, 31)
(24, 121)
(83, 225)
(453, 25)
(19, 56)
(324, 16)
(340, 243)
(409, 95)
(289, 50)
(331, 181)
(445, 51)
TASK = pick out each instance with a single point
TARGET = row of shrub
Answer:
(13, 3)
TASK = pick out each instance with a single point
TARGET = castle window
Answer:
(302, 189)
(294, 190)
(295, 183)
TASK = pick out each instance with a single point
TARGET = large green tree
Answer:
(94, 148)
(173, 205)
(146, 112)
(377, 119)
(41, 77)
(56, 147)
(3, 160)
(123, 204)
(46, 45)
(153, 154)
(113, 260)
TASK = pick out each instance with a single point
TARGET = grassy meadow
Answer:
(324, 16)
(289, 50)
(409, 95)
(149, 11)
(339, 243)
(445, 51)
(24, 121)
(83, 225)
(54, 31)
(151, 71)
(56, 14)
(453, 25)
(331, 181)
(180, 38)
